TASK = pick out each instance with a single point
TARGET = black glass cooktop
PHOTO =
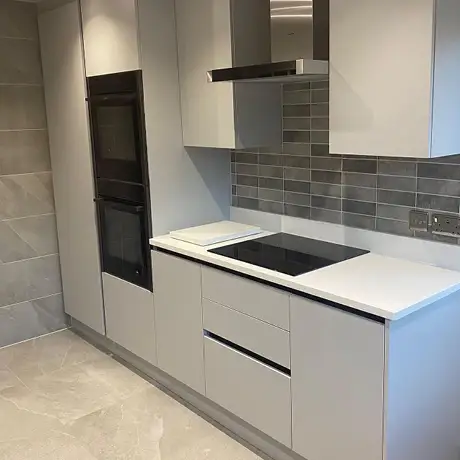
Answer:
(289, 254)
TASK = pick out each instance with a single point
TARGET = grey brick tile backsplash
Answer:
(302, 179)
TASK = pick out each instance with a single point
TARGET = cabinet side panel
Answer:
(64, 78)
(423, 384)
(380, 77)
(446, 92)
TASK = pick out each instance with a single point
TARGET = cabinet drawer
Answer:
(249, 297)
(261, 338)
(249, 389)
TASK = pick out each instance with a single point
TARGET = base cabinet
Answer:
(337, 365)
(178, 317)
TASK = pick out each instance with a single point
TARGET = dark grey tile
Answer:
(232, 156)
(296, 97)
(271, 206)
(248, 203)
(296, 86)
(233, 168)
(360, 166)
(439, 187)
(397, 168)
(449, 160)
(296, 186)
(270, 171)
(325, 215)
(296, 174)
(233, 189)
(250, 181)
(439, 203)
(271, 159)
(293, 161)
(328, 177)
(320, 124)
(397, 198)
(326, 163)
(247, 192)
(389, 211)
(296, 111)
(298, 123)
(326, 189)
(321, 150)
(247, 158)
(234, 201)
(319, 95)
(293, 210)
(359, 193)
(277, 149)
(297, 149)
(234, 181)
(324, 202)
(321, 84)
(320, 137)
(248, 170)
(359, 221)
(270, 195)
(439, 171)
(319, 110)
(297, 136)
(274, 184)
(359, 207)
(360, 180)
(393, 226)
(405, 184)
(301, 199)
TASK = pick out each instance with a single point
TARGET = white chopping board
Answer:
(218, 232)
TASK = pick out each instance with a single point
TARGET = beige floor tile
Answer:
(7, 379)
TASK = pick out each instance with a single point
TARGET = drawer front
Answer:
(249, 297)
(249, 389)
(261, 338)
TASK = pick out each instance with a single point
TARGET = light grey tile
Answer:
(248, 192)
(248, 203)
(326, 163)
(334, 191)
(302, 137)
(18, 19)
(319, 137)
(296, 186)
(39, 232)
(296, 161)
(439, 203)
(397, 198)
(26, 195)
(321, 150)
(328, 177)
(24, 152)
(439, 171)
(246, 169)
(30, 319)
(397, 168)
(271, 206)
(297, 211)
(300, 199)
(271, 171)
(271, 159)
(323, 202)
(246, 158)
(250, 181)
(325, 215)
(359, 193)
(319, 110)
(270, 195)
(360, 180)
(22, 107)
(320, 84)
(20, 62)
(360, 166)
(359, 221)
(296, 111)
(439, 187)
(297, 123)
(319, 95)
(393, 226)
(296, 97)
(405, 184)
(320, 124)
(268, 182)
(296, 149)
(12, 246)
(296, 86)
(389, 211)
(297, 174)
(359, 207)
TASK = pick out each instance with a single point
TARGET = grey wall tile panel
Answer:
(438, 203)
(319, 150)
(12, 246)
(317, 188)
(296, 186)
(390, 211)
(397, 168)
(297, 211)
(359, 180)
(293, 161)
(248, 192)
(296, 97)
(296, 111)
(271, 195)
(320, 137)
(359, 221)
(320, 124)
(270, 159)
(320, 84)
(247, 158)
(297, 174)
(319, 95)
(246, 169)
(439, 187)
(359, 207)
(296, 149)
(398, 198)
(328, 177)
(359, 193)
(300, 199)
(324, 202)
(302, 137)
(439, 171)
(360, 166)
(298, 123)
(248, 203)
(326, 163)
(271, 206)
(267, 182)
(319, 110)
(395, 227)
(324, 215)
(270, 171)
(408, 184)
(296, 86)
(251, 181)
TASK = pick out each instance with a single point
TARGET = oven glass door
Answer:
(118, 137)
(124, 246)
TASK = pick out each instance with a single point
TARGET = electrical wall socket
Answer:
(446, 224)
(419, 220)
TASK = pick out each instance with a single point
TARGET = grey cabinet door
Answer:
(178, 319)
(337, 365)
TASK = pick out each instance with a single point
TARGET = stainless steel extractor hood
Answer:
(299, 31)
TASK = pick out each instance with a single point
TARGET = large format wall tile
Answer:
(12, 246)
(18, 20)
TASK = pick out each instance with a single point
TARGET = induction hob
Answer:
(289, 254)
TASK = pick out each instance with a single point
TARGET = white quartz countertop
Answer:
(382, 286)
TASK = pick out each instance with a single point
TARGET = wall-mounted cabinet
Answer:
(221, 34)
(394, 77)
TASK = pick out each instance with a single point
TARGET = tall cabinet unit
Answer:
(394, 77)
(64, 78)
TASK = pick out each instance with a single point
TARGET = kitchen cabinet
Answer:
(337, 372)
(129, 317)
(65, 91)
(110, 35)
(178, 319)
(394, 77)
(220, 34)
